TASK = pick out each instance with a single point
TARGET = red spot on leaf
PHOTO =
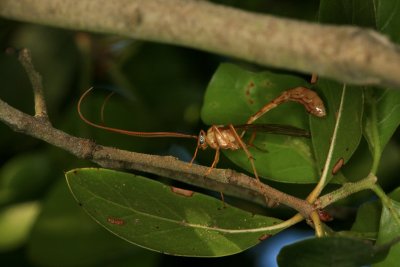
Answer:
(338, 165)
(249, 87)
(264, 237)
(182, 192)
(116, 221)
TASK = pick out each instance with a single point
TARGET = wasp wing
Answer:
(273, 129)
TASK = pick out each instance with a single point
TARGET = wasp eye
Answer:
(201, 139)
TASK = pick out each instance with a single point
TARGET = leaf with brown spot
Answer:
(156, 218)
(277, 157)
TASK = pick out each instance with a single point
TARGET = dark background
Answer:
(159, 88)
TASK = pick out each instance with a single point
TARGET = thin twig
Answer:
(349, 54)
(346, 190)
(36, 80)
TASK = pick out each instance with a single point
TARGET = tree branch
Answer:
(347, 54)
(226, 181)
(346, 190)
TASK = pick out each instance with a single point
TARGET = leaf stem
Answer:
(319, 232)
(381, 194)
(374, 142)
(361, 235)
(324, 177)
(283, 225)
(386, 201)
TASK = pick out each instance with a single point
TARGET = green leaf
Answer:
(360, 163)
(395, 194)
(388, 18)
(15, 224)
(331, 252)
(367, 220)
(24, 177)
(372, 222)
(383, 116)
(147, 213)
(336, 137)
(234, 94)
(369, 215)
(389, 229)
(383, 105)
(359, 12)
(65, 236)
(382, 15)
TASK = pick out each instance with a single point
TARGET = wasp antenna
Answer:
(104, 105)
(131, 133)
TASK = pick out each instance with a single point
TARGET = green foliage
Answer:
(367, 220)
(84, 243)
(15, 224)
(234, 94)
(149, 214)
(389, 228)
(330, 252)
(160, 88)
(24, 177)
(344, 118)
(381, 223)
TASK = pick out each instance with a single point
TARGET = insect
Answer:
(308, 98)
(217, 136)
